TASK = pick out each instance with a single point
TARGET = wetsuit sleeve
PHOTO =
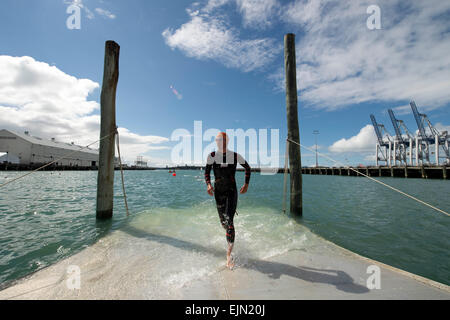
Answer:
(209, 163)
(248, 170)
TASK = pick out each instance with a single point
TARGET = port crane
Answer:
(403, 141)
(439, 139)
(384, 141)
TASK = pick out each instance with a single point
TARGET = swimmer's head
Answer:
(222, 141)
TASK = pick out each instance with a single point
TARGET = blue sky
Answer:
(225, 58)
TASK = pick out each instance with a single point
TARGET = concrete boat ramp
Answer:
(134, 263)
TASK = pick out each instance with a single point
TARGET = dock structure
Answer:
(111, 269)
(423, 172)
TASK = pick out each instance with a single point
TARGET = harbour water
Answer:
(51, 215)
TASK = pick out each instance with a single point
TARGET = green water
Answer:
(49, 216)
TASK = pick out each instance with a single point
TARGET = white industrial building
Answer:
(24, 149)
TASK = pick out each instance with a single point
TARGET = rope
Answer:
(57, 160)
(121, 172)
(74, 152)
(286, 161)
(377, 181)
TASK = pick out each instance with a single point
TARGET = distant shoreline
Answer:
(426, 172)
(17, 167)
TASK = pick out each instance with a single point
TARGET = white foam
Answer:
(178, 257)
(180, 279)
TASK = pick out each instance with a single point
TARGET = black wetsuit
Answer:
(225, 190)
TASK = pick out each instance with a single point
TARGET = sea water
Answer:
(49, 216)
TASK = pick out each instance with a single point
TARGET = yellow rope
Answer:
(377, 181)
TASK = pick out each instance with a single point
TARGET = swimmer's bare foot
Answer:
(230, 262)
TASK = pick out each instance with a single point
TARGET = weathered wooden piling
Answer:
(295, 164)
(105, 182)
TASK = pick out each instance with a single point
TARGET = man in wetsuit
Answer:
(224, 163)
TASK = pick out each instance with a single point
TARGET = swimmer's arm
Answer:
(208, 174)
(248, 172)
(210, 189)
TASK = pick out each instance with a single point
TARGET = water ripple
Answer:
(46, 217)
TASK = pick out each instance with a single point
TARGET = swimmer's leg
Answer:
(226, 207)
(230, 234)
(221, 204)
(231, 209)
(230, 259)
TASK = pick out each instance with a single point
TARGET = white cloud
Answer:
(134, 144)
(342, 62)
(105, 13)
(257, 13)
(208, 37)
(364, 141)
(303, 12)
(49, 103)
(212, 5)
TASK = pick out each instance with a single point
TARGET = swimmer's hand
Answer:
(210, 190)
(244, 188)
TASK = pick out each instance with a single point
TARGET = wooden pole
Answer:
(105, 182)
(295, 164)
